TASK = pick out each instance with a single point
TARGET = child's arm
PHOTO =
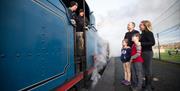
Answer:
(138, 53)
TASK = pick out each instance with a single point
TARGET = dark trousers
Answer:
(137, 74)
(147, 66)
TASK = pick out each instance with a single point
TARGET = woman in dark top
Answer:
(147, 41)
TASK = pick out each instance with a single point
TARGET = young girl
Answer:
(125, 58)
(136, 61)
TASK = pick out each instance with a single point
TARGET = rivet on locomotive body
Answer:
(2, 55)
(42, 41)
(38, 54)
(29, 54)
(47, 53)
(17, 54)
(43, 48)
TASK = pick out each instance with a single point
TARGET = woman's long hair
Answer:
(147, 25)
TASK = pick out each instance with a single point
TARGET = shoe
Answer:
(123, 81)
(127, 83)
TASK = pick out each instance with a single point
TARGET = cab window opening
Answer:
(80, 6)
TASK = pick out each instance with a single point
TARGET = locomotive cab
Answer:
(80, 6)
(80, 37)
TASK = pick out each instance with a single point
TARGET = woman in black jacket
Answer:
(147, 41)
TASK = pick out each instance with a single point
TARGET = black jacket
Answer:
(80, 23)
(129, 35)
(147, 40)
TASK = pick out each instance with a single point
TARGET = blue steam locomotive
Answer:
(37, 50)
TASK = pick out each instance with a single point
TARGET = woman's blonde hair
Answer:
(147, 25)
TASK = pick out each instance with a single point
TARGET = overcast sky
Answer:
(112, 17)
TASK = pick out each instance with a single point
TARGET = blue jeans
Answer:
(137, 74)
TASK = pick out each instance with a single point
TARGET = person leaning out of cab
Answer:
(72, 12)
